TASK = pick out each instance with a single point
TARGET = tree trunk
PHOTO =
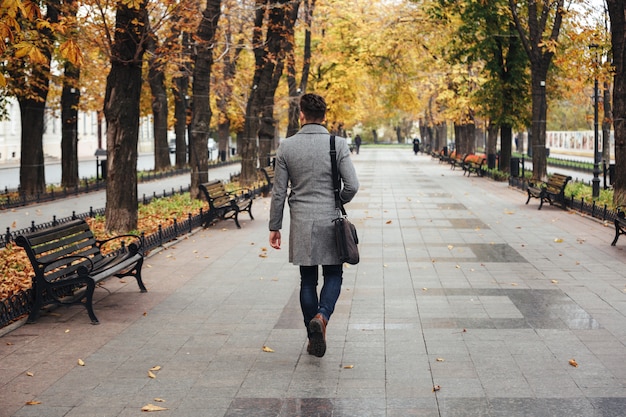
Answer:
(156, 80)
(32, 113)
(181, 107)
(506, 145)
(607, 121)
(201, 106)
(70, 98)
(492, 144)
(540, 58)
(32, 177)
(617, 9)
(294, 92)
(538, 127)
(225, 92)
(270, 58)
(121, 109)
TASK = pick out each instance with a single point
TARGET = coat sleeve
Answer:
(347, 172)
(279, 192)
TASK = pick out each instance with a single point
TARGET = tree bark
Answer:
(540, 57)
(32, 176)
(617, 12)
(294, 90)
(121, 109)
(181, 105)
(156, 80)
(225, 91)
(506, 145)
(70, 97)
(270, 58)
(607, 122)
(32, 112)
(200, 106)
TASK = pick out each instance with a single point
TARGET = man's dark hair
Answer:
(313, 106)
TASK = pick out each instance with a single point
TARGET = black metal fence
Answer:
(15, 198)
(15, 306)
(602, 213)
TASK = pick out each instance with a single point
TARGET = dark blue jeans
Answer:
(309, 302)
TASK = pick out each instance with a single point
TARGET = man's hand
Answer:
(275, 239)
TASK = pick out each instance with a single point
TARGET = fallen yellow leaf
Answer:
(348, 367)
(436, 388)
(267, 349)
(159, 400)
(33, 402)
(30, 374)
(155, 368)
(555, 281)
(81, 362)
(573, 363)
(152, 407)
(440, 359)
(151, 375)
(558, 240)
(388, 222)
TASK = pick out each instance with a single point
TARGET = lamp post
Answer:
(595, 183)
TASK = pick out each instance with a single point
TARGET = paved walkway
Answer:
(461, 286)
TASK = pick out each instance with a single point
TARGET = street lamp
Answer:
(595, 183)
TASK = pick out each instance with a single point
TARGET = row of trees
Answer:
(237, 67)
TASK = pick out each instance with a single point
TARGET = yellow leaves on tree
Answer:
(71, 51)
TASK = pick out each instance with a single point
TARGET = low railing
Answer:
(602, 213)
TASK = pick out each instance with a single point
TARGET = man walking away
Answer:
(303, 165)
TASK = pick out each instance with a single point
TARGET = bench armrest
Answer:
(240, 192)
(133, 247)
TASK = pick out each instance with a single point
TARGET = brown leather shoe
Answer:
(317, 340)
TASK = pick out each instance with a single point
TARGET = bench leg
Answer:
(250, 210)
(540, 203)
(37, 305)
(136, 273)
(529, 196)
(618, 231)
(235, 218)
(137, 276)
(91, 286)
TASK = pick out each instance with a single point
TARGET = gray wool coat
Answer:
(303, 169)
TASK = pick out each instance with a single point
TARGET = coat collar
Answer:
(313, 128)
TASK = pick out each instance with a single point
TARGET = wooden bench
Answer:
(224, 204)
(268, 174)
(474, 163)
(440, 155)
(68, 263)
(456, 160)
(553, 191)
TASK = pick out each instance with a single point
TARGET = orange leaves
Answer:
(70, 51)
(30, 51)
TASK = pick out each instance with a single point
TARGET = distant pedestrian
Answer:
(416, 145)
(357, 142)
(303, 177)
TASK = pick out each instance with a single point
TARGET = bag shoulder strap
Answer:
(336, 179)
